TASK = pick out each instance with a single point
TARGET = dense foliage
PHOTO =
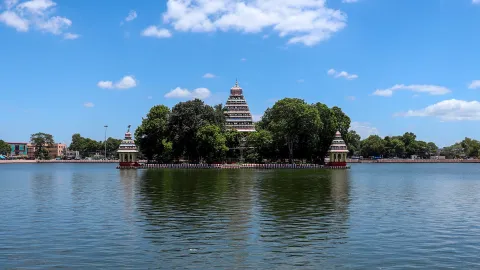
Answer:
(396, 147)
(466, 148)
(193, 131)
(4, 148)
(41, 142)
(88, 147)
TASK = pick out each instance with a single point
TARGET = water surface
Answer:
(375, 216)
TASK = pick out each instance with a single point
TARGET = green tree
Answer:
(5, 148)
(185, 121)
(470, 147)
(353, 141)
(112, 145)
(325, 132)
(220, 118)
(41, 142)
(290, 119)
(86, 146)
(152, 135)
(260, 146)
(374, 145)
(211, 143)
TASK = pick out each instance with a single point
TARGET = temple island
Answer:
(238, 117)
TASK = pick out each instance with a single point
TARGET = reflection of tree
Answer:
(304, 211)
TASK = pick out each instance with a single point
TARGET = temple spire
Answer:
(236, 82)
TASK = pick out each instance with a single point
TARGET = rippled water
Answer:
(377, 216)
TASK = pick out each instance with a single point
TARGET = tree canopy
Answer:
(87, 147)
(4, 148)
(42, 141)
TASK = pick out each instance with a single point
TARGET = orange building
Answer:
(56, 150)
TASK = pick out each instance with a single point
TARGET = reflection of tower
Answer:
(340, 189)
(128, 179)
(237, 113)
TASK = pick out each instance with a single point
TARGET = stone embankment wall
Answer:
(415, 161)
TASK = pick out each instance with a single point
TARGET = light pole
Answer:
(105, 140)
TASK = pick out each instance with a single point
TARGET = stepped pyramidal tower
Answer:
(236, 111)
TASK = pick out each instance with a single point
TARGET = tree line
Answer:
(88, 147)
(195, 132)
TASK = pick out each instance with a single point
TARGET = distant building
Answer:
(18, 149)
(54, 151)
(73, 155)
(237, 113)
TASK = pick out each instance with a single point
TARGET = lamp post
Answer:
(105, 142)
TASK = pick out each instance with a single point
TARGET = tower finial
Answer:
(129, 128)
(236, 82)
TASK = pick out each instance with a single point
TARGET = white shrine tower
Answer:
(338, 151)
(237, 113)
(128, 151)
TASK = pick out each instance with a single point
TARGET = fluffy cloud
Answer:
(125, 83)
(153, 31)
(364, 129)
(132, 15)
(342, 74)
(424, 88)
(474, 84)
(88, 105)
(302, 21)
(448, 110)
(13, 20)
(35, 13)
(182, 93)
(476, 1)
(243, 59)
(70, 36)
(209, 76)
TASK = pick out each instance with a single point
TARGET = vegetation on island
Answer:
(194, 131)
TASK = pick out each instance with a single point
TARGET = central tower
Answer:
(237, 113)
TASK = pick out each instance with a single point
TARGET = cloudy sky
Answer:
(392, 66)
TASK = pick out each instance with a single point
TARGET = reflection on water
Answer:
(93, 216)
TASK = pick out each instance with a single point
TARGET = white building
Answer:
(237, 113)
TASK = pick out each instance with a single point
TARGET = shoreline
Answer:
(380, 161)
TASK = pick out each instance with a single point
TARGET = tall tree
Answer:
(292, 118)
(353, 141)
(260, 146)
(211, 143)
(41, 142)
(152, 135)
(325, 132)
(185, 121)
(374, 145)
(220, 118)
(5, 148)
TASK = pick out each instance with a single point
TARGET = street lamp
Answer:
(105, 142)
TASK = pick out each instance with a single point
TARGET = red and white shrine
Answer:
(338, 152)
(128, 152)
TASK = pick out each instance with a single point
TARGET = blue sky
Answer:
(393, 66)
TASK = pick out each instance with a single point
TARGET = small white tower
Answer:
(128, 151)
(338, 151)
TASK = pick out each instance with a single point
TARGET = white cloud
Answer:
(475, 1)
(88, 105)
(149, 97)
(153, 31)
(36, 13)
(351, 98)
(200, 93)
(448, 110)
(474, 84)
(352, 1)
(257, 117)
(70, 36)
(301, 81)
(341, 74)
(105, 84)
(13, 20)
(364, 129)
(125, 83)
(243, 59)
(209, 76)
(302, 21)
(132, 15)
(433, 90)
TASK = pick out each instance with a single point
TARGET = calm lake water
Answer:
(375, 216)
